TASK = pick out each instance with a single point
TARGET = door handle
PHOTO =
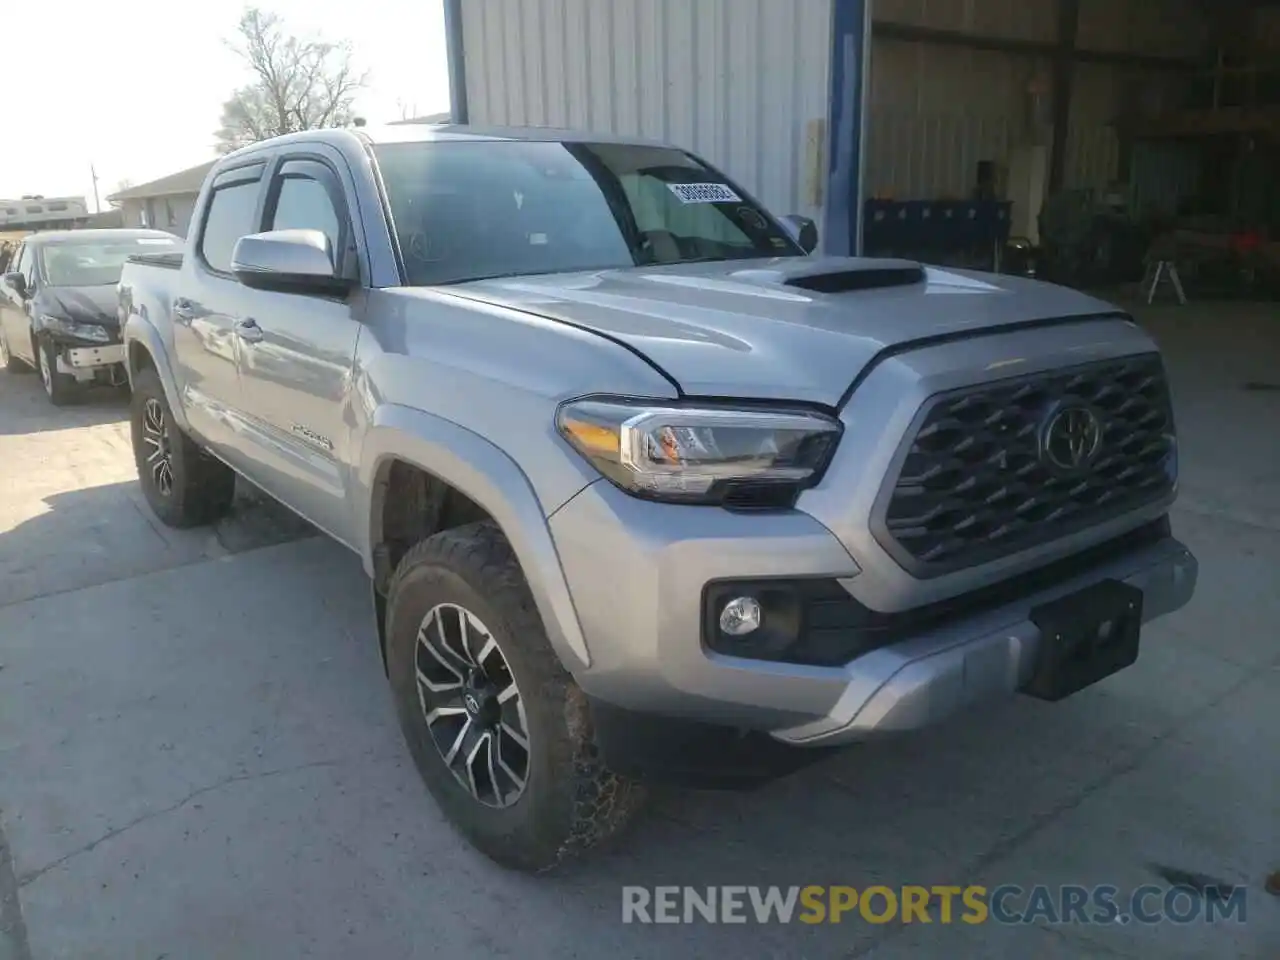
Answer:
(248, 330)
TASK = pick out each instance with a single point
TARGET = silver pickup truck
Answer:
(646, 490)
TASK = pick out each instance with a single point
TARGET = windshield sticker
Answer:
(703, 193)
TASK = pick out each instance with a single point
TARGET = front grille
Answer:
(975, 486)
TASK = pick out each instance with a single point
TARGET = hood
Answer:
(799, 328)
(81, 304)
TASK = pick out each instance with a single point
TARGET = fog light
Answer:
(740, 616)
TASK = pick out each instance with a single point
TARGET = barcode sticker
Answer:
(703, 193)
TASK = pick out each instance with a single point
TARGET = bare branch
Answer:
(298, 83)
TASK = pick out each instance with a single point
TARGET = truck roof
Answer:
(442, 132)
(416, 132)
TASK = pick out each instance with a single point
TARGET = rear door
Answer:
(14, 309)
(210, 305)
(296, 368)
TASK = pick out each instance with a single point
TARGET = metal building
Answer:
(816, 105)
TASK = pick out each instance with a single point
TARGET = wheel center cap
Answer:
(481, 702)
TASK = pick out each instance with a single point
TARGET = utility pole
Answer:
(97, 207)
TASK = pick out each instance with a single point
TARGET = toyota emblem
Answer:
(1072, 438)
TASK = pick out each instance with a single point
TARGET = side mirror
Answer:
(17, 283)
(291, 261)
(804, 230)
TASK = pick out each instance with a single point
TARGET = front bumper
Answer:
(981, 658)
(77, 358)
(637, 572)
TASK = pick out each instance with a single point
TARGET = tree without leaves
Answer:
(407, 111)
(298, 84)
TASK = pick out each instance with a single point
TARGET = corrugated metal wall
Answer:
(739, 81)
(1168, 28)
(1165, 172)
(736, 81)
(1266, 22)
(1008, 19)
(936, 110)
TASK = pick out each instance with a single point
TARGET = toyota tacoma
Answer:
(644, 488)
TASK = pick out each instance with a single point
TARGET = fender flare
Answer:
(138, 329)
(490, 477)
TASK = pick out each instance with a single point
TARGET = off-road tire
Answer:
(571, 801)
(202, 487)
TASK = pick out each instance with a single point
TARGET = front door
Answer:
(296, 367)
(208, 305)
(14, 319)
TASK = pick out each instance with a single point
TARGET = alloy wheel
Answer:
(472, 706)
(46, 373)
(155, 434)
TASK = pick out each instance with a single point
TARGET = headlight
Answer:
(701, 454)
(85, 331)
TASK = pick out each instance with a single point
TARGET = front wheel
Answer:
(498, 729)
(184, 486)
(60, 388)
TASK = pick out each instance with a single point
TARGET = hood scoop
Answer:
(836, 275)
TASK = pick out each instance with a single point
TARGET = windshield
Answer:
(468, 210)
(96, 263)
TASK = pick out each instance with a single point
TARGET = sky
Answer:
(134, 88)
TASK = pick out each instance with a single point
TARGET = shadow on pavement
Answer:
(101, 534)
(27, 410)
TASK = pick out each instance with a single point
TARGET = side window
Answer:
(27, 265)
(21, 259)
(304, 203)
(230, 217)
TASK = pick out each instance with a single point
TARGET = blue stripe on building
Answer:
(846, 123)
(456, 53)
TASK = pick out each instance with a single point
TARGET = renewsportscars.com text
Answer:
(972, 904)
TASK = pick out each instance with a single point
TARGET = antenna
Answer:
(97, 206)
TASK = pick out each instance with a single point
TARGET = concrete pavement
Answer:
(198, 756)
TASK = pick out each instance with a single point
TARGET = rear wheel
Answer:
(185, 486)
(60, 388)
(498, 729)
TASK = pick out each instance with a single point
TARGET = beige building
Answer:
(164, 204)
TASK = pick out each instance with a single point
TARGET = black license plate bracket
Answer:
(1084, 637)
